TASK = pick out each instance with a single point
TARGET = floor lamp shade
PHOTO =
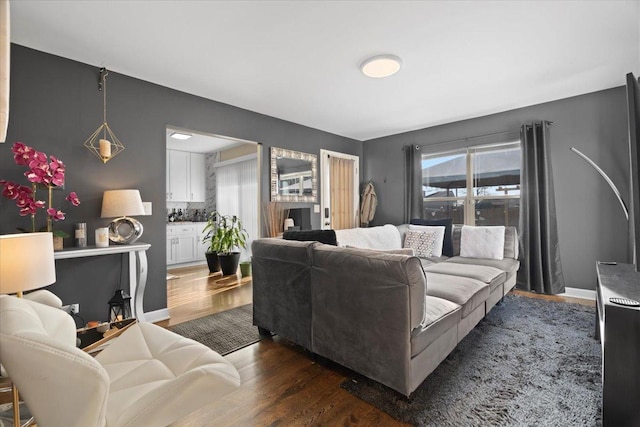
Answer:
(26, 262)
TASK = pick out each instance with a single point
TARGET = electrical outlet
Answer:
(71, 308)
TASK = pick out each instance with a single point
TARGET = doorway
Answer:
(340, 177)
(208, 173)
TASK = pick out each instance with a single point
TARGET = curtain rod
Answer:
(417, 146)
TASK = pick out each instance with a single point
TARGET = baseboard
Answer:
(157, 315)
(186, 264)
(579, 293)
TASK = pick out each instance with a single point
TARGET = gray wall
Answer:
(591, 225)
(55, 105)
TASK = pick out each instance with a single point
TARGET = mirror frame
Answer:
(291, 154)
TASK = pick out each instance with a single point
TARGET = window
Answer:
(474, 186)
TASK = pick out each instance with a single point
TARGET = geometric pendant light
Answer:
(103, 142)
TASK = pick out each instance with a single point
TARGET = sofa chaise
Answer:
(391, 317)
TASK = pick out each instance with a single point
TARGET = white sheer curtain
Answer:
(237, 194)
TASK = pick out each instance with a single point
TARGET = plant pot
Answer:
(229, 263)
(245, 268)
(58, 243)
(212, 261)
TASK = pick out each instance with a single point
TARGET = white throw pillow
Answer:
(439, 236)
(425, 243)
(482, 242)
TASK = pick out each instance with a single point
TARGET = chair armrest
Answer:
(45, 297)
(62, 370)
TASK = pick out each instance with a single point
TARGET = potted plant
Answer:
(43, 172)
(224, 234)
(211, 238)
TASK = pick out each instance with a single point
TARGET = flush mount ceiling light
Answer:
(381, 66)
(180, 135)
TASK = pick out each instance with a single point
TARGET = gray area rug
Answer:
(528, 363)
(222, 332)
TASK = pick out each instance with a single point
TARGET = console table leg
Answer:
(142, 282)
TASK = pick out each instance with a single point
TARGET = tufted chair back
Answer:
(148, 376)
(38, 350)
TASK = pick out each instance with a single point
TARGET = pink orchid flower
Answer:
(73, 198)
(42, 169)
(31, 207)
(11, 189)
(22, 153)
(55, 214)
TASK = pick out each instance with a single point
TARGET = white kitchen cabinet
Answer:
(197, 177)
(171, 253)
(201, 248)
(178, 173)
(185, 248)
(184, 243)
(186, 176)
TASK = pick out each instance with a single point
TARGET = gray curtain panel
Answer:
(412, 183)
(540, 269)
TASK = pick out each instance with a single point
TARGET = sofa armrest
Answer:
(364, 307)
(281, 276)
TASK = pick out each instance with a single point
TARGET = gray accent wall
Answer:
(591, 225)
(55, 105)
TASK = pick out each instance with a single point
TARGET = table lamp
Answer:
(122, 204)
(26, 263)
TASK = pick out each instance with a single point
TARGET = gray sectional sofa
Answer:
(390, 317)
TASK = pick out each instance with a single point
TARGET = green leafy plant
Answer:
(224, 233)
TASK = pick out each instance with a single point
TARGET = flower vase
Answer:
(58, 243)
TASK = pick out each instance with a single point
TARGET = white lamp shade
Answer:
(118, 203)
(26, 262)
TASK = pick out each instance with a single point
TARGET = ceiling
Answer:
(200, 142)
(299, 60)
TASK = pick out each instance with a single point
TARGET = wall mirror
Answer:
(293, 176)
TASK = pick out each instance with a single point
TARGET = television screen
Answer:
(633, 108)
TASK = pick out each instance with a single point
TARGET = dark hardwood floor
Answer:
(282, 384)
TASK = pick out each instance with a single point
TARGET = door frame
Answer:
(325, 186)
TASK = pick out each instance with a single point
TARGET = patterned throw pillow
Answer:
(439, 235)
(422, 242)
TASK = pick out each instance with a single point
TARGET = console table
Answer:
(137, 268)
(618, 328)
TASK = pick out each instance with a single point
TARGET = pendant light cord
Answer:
(104, 101)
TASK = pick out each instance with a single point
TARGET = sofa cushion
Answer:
(426, 262)
(510, 241)
(507, 265)
(381, 237)
(425, 243)
(492, 276)
(440, 316)
(401, 251)
(466, 292)
(482, 242)
(327, 237)
(447, 223)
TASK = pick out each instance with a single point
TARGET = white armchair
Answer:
(148, 376)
